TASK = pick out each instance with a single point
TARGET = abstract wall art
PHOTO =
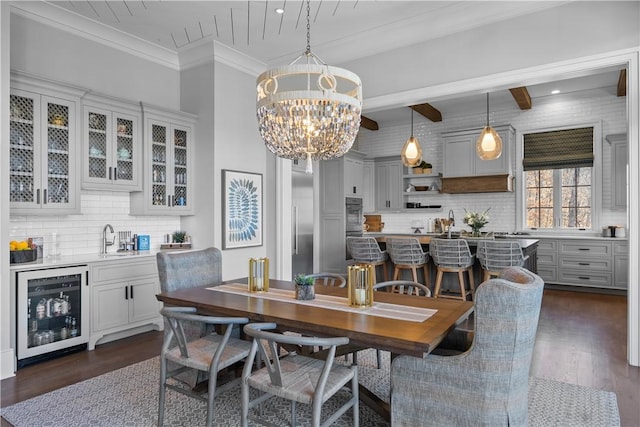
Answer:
(242, 211)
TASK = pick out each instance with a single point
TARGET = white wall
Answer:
(559, 110)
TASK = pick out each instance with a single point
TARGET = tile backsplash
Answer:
(82, 233)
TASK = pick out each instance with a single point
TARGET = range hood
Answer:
(477, 184)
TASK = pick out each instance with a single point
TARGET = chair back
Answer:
(496, 255)
(329, 279)
(450, 253)
(406, 251)
(365, 249)
(189, 269)
(404, 287)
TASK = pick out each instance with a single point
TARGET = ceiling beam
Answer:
(428, 111)
(622, 83)
(367, 123)
(521, 96)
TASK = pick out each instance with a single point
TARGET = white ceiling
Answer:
(340, 30)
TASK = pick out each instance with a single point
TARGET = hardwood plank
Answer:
(367, 123)
(428, 111)
(521, 96)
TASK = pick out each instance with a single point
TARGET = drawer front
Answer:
(585, 249)
(595, 279)
(546, 259)
(548, 274)
(547, 246)
(620, 248)
(123, 270)
(585, 265)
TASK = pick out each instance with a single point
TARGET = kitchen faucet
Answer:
(452, 222)
(105, 243)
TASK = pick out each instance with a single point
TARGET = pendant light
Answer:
(308, 109)
(489, 143)
(411, 151)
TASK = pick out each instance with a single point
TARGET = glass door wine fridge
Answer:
(53, 312)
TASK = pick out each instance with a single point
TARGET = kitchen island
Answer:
(529, 248)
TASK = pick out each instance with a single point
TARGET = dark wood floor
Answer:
(581, 340)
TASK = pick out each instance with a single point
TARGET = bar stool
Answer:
(367, 251)
(452, 256)
(407, 254)
(496, 255)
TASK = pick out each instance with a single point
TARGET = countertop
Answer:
(425, 238)
(507, 236)
(80, 259)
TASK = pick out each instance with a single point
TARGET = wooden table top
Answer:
(397, 336)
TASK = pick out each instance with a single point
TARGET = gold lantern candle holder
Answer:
(360, 285)
(258, 274)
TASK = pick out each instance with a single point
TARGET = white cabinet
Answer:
(368, 186)
(621, 265)
(168, 170)
(112, 148)
(388, 176)
(619, 165)
(43, 179)
(123, 297)
(547, 254)
(460, 158)
(353, 166)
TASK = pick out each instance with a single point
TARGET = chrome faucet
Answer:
(106, 243)
(452, 222)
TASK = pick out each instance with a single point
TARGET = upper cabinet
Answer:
(112, 147)
(353, 165)
(388, 177)
(619, 172)
(43, 179)
(168, 164)
(461, 160)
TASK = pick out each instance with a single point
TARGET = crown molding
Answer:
(190, 56)
(62, 19)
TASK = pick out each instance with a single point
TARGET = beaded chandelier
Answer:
(308, 109)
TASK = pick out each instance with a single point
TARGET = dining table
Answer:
(400, 324)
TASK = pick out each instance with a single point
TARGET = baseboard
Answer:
(7, 363)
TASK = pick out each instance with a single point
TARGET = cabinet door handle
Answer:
(354, 190)
(131, 291)
(584, 249)
(584, 278)
(38, 196)
(584, 263)
(115, 173)
(44, 196)
(109, 173)
(126, 292)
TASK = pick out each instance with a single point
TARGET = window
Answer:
(559, 190)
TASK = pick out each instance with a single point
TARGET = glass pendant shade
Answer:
(489, 143)
(411, 151)
(308, 109)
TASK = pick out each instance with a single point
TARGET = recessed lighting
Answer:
(555, 91)
(279, 11)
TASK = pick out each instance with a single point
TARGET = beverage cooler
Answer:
(53, 312)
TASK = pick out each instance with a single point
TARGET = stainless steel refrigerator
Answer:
(302, 222)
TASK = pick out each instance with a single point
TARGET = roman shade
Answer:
(571, 148)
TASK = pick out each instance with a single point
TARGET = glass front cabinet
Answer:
(42, 150)
(112, 149)
(168, 168)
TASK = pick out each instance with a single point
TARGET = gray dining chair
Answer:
(190, 269)
(210, 353)
(486, 385)
(298, 378)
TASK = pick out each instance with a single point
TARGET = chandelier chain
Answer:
(308, 28)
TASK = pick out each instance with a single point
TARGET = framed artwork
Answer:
(242, 210)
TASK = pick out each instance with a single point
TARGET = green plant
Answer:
(179, 236)
(303, 280)
(424, 165)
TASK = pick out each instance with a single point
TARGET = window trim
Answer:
(596, 180)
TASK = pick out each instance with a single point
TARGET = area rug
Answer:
(129, 397)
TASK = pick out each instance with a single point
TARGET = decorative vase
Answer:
(258, 274)
(305, 292)
(475, 232)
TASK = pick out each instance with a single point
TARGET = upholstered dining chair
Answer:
(190, 269)
(487, 384)
(407, 254)
(365, 250)
(452, 256)
(295, 377)
(496, 255)
(210, 353)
